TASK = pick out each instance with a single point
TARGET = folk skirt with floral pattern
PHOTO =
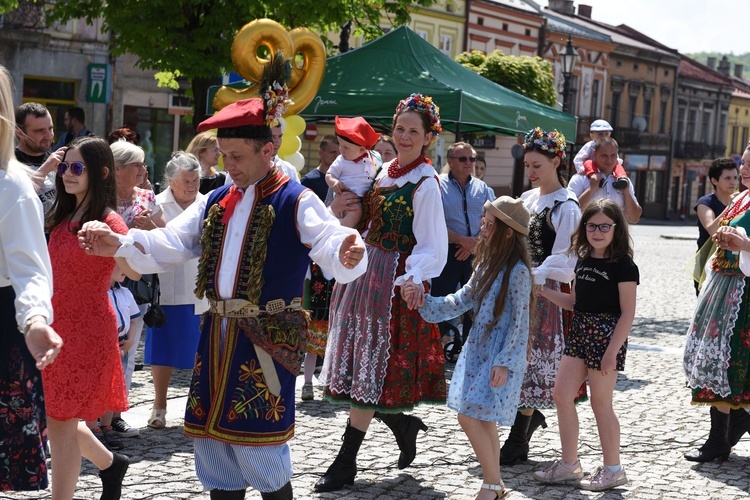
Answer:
(23, 423)
(318, 295)
(380, 354)
(717, 348)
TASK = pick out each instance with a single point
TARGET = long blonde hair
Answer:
(494, 253)
(7, 119)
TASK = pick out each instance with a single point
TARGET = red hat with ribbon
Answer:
(357, 131)
(245, 119)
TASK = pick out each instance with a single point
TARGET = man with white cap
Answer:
(588, 189)
(584, 159)
(255, 240)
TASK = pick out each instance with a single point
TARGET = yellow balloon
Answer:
(290, 144)
(295, 124)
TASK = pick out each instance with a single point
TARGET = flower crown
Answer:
(552, 142)
(423, 104)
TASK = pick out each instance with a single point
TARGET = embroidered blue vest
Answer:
(229, 400)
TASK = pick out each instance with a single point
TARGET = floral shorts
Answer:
(589, 338)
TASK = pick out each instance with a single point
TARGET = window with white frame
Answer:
(425, 36)
(446, 45)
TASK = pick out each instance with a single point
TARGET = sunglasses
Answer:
(76, 168)
(604, 228)
(464, 159)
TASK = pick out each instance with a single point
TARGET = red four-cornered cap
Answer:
(357, 130)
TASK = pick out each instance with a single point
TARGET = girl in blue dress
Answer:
(486, 383)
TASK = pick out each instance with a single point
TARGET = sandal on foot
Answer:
(158, 418)
(499, 489)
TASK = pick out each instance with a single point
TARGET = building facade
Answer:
(703, 101)
(69, 64)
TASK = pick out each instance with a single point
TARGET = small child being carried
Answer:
(584, 160)
(355, 167)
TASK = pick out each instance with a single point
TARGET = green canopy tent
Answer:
(371, 80)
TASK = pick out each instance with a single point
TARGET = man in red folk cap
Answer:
(255, 240)
(355, 167)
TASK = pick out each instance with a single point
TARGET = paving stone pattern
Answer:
(657, 421)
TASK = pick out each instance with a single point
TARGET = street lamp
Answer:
(567, 61)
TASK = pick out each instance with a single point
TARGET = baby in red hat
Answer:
(354, 169)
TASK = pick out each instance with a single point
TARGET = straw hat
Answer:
(511, 211)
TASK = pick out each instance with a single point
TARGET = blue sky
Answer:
(686, 25)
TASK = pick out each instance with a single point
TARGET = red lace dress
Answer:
(86, 379)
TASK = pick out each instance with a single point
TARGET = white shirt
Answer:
(125, 308)
(430, 254)
(559, 265)
(24, 260)
(580, 183)
(357, 177)
(286, 167)
(177, 287)
(179, 241)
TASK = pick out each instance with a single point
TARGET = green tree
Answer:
(529, 76)
(192, 38)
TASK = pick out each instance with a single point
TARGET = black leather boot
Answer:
(717, 445)
(344, 468)
(405, 428)
(537, 420)
(112, 477)
(739, 423)
(285, 493)
(516, 447)
(227, 494)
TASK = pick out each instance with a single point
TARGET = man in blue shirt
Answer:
(463, 200)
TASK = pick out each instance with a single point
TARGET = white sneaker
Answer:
(559, 472)
(603, 479)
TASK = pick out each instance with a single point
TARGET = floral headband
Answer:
(552, 142)
(422, 104)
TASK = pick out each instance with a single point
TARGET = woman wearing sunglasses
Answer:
(554, 216)
(87, 379)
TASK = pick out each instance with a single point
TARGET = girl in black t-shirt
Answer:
(603, 301)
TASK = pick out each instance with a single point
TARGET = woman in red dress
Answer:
(87, 379)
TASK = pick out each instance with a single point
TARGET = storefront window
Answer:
(156, 128)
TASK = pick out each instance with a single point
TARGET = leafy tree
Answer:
(192, 38)
(529, 76)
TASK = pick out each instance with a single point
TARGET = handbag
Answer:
(144, 290)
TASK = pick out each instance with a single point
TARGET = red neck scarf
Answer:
(229, 203)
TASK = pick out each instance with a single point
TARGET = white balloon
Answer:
(296, 159)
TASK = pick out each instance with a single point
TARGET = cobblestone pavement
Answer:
(658, 423)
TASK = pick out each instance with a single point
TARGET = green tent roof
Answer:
(371, 80)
